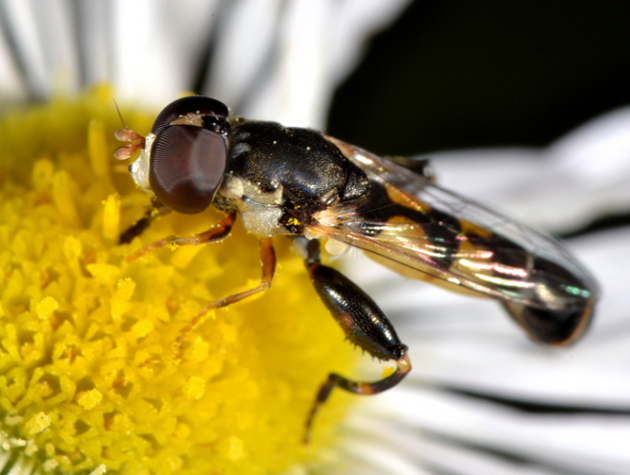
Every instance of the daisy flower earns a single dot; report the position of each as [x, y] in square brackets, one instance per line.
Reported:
[89, 380]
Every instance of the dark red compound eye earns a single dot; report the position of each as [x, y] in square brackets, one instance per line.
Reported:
[205, 106]
[187, 166]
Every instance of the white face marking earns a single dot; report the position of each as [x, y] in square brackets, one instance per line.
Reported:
[140, 168]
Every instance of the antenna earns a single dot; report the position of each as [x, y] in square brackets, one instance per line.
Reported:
[120, 115]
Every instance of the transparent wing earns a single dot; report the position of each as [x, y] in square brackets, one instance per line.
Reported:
[410, 223]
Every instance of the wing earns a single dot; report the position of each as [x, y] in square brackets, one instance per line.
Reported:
[428, 232]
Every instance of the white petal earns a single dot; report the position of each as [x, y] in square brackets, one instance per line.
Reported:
[156, 47]
[566, 443]
[41, 39]
[243, 51]
[11, 84]
[382, 459]
[285, 59]
[293, 91]
[439, 453]
[94, 19]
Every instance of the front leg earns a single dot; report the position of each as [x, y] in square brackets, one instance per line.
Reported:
[216, 233]
[364, 325]
[156, 210]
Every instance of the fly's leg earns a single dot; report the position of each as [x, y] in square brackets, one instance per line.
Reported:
[136, 229]
[364, 325]
[216, 233]
[268, 258]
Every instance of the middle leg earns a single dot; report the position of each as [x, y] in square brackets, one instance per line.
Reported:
[268, 258]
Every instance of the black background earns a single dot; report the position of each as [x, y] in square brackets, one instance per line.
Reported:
[459, 74]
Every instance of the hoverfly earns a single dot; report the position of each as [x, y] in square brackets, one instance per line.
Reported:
[308, 186]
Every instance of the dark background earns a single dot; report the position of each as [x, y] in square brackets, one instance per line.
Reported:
[460, 74]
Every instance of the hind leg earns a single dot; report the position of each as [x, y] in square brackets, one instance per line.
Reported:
[363, 322]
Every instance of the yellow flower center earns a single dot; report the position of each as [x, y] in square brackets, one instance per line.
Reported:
[88, 376]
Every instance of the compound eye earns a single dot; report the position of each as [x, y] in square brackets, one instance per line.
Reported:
[196, 104]
[187, 166]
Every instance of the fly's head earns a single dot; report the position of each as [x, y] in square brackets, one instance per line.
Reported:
[182, 161]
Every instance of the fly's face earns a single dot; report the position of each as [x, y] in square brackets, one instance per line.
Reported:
[183, 160]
